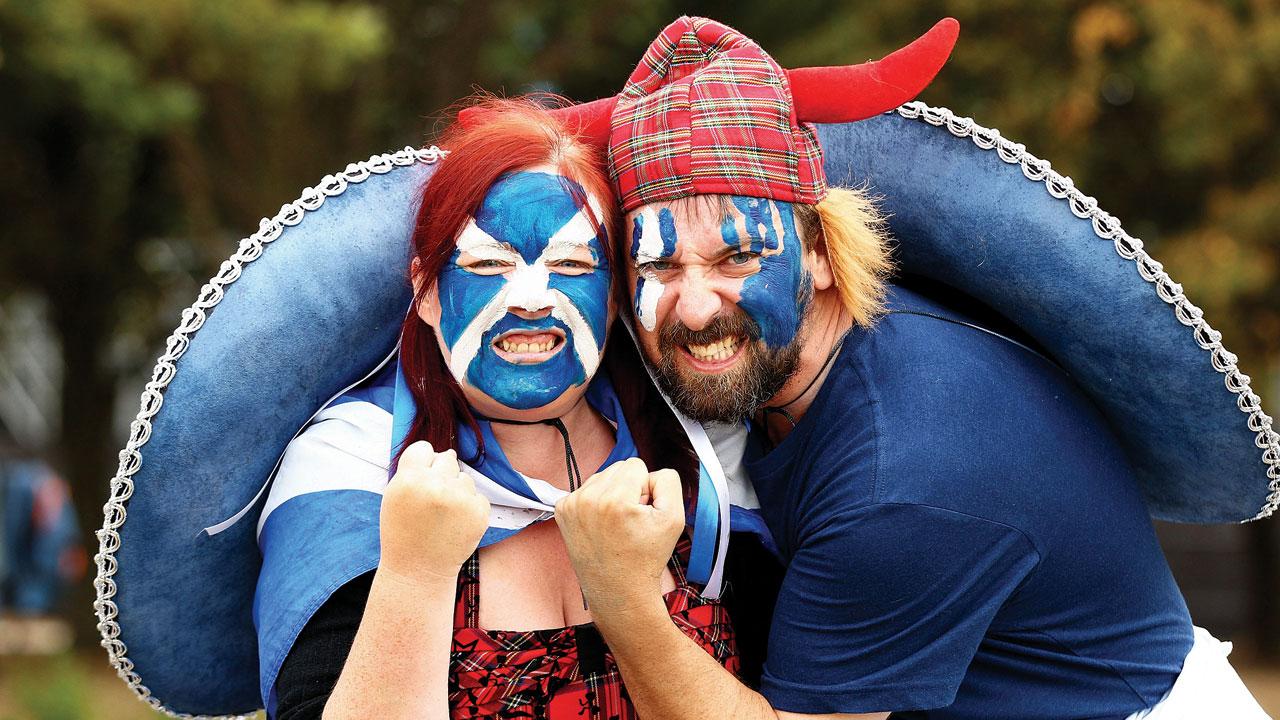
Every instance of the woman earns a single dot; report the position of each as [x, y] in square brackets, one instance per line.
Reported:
[513, 297]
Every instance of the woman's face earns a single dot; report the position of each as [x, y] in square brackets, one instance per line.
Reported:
[523, 306]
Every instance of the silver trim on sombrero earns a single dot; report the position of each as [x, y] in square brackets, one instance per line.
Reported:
[114, 512]
[1107, 227]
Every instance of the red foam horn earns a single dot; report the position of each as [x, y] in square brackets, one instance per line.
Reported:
[855, 92]
[843, 93]
[589, 120]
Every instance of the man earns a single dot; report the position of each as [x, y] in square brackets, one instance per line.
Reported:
[962, 535]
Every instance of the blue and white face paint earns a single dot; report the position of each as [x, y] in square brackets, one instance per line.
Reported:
[524, 299]
[653, 239]
[776, 296]
[720, 300]
[765, 278]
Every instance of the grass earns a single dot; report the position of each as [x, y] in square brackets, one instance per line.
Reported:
[69, 686]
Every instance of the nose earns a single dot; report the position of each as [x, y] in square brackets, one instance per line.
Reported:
[529, 314]
[699, 301]
[528, 291]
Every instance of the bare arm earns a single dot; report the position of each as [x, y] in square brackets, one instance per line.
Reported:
[431, 521]
[631, 519]
[669, 676]
[399, 662]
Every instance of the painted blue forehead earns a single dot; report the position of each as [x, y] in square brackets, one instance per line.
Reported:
[526, 208]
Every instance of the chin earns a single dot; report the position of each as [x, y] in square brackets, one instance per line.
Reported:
[489, 407]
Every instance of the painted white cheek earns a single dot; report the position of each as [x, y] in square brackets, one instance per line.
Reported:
[468, 344]
[647, 305]
[585, 344]
[528, 288]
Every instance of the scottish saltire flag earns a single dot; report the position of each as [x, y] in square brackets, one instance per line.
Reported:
[319, 526]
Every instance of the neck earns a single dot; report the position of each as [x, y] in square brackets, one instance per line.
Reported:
[537, 450]
[824, 327]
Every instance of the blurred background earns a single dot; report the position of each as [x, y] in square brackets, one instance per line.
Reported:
[141, 139]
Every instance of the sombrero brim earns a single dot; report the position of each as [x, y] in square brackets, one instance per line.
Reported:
[977, 212]
[315, 299]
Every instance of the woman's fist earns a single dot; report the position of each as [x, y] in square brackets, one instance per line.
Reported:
[432, 517]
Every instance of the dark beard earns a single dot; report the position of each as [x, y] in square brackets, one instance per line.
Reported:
[729, 396]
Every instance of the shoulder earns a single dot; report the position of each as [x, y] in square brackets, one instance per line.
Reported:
[344, 438]
[355, 426]
[962, 415]
[345, 446]
[922, 348]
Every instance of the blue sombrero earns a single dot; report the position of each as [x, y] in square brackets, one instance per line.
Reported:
[312, 303]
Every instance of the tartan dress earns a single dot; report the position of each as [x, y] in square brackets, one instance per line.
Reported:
[562, 673]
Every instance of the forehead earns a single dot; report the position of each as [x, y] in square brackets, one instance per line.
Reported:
[695, 224]
[527, 208]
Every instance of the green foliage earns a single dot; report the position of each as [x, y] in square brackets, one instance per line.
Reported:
[57, 690]
[142, 129]
[147, 67]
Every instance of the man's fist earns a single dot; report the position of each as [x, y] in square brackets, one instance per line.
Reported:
[620, 528]
[432, 517]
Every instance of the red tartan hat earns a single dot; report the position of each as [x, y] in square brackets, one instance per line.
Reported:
[707, 111]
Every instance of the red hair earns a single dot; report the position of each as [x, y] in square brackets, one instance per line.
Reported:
[512, 134]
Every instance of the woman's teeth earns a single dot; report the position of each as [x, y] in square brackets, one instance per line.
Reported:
[512, 346]
[720, 350]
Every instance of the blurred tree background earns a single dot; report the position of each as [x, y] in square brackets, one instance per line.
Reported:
[142, 138]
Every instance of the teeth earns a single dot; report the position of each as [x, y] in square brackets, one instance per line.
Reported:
[525, 347]
[719, 350]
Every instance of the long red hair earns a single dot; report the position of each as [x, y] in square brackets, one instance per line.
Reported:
[515, 134]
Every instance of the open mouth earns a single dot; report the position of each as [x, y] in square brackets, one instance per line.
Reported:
[524, 346]
[715, 356]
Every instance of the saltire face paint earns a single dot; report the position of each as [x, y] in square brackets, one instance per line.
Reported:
[776, 296]
[529, 248]
[653, 239]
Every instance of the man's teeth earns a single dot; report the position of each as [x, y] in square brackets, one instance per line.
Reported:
[719, 350]
[512, 346]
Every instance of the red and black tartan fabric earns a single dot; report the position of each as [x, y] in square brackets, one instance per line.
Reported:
[562, 673]
[708, 111]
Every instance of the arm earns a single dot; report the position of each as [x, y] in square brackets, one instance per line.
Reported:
[667, 674]
[399, 661]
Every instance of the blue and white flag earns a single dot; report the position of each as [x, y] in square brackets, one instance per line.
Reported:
[319, 527]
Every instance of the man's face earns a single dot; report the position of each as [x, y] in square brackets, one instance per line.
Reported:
[524, 301]
[720, 295]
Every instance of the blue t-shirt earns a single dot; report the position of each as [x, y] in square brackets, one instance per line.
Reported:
[963, 538]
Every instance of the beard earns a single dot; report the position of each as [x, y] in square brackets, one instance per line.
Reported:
[737, 393]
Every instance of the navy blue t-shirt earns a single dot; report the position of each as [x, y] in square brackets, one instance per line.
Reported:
[963, 538]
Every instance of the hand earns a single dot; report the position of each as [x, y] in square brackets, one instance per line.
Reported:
[620, 528]
[432, 517]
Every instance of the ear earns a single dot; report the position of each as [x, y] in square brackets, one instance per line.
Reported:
[429, 304]
[818, 263]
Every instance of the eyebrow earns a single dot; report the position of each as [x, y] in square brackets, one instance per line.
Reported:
[494, 250]
[728, 251]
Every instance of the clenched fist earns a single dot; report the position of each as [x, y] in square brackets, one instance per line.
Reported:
[620, 528]
[432, 517]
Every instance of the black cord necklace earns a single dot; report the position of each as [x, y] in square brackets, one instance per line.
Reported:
[782, 409]
[570, 460]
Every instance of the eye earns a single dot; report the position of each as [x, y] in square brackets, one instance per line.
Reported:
[654, 266]
[741, 258]
[487, 266]
[573, 265]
